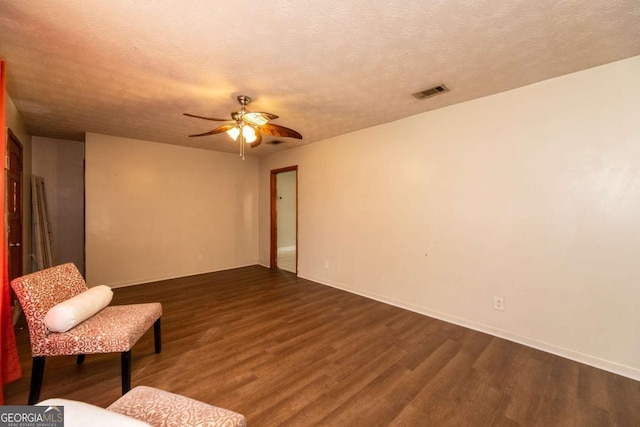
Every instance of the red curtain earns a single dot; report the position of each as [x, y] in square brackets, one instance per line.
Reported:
[10, 369]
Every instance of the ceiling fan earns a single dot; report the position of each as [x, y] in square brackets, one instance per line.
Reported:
[248, 126]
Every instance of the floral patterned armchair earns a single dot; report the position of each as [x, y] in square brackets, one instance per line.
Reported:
[112, 329]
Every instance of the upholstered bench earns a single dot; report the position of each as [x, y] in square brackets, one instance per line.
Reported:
[146, 406]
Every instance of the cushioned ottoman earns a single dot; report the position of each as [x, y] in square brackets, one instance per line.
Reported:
[161, 408]
[145, 406]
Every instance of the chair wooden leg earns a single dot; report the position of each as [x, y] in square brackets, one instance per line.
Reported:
[157, 336]
[125, 362]
[80, 359]
[37, 373]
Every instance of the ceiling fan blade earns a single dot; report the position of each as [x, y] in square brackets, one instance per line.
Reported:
[258, 139]
[276, 130]
[207, 118]
[219, 129]
[258, 119]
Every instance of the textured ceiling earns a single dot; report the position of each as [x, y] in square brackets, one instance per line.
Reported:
[131, 68]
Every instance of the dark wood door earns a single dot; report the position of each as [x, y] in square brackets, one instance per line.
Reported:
[14, 206]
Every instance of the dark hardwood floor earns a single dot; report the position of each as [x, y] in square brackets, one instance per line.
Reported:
[287, 351]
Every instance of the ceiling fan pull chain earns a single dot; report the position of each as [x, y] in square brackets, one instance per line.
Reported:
[242, 145]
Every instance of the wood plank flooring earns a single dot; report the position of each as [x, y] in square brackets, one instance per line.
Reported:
[287, 351]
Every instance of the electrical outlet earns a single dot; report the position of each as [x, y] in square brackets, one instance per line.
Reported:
[326, 265]
[498, 303]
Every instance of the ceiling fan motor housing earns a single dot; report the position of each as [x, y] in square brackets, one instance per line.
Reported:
[244, 100]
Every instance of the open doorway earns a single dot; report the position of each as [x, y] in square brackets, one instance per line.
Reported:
[284, 219]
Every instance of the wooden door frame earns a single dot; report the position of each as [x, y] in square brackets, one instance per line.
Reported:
[274, 215]
[13, 138]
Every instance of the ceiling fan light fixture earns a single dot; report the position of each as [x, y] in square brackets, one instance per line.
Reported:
[234, 132]
[249, 134]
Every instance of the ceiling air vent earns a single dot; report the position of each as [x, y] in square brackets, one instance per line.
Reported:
[433, 91]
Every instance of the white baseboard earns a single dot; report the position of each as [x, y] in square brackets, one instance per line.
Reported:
[614, 367]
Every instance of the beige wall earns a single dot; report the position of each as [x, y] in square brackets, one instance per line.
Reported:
[532, 195]
[61, 164]
[156, 211]
[14, 121]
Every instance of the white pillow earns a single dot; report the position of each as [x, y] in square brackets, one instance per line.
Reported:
[77, 309]
[80, 414]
